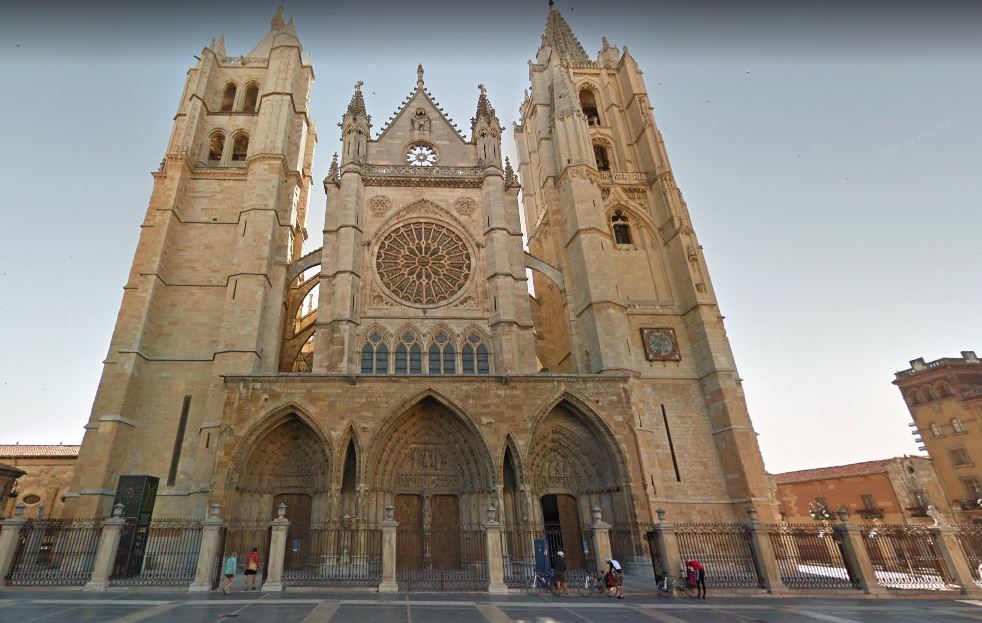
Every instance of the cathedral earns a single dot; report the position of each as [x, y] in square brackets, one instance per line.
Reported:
[408, 362]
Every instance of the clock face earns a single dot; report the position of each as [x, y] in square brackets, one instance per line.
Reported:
[660, 344]
[420, 155]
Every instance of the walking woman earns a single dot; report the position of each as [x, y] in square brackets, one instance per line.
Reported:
[230, 565]
[251, 569]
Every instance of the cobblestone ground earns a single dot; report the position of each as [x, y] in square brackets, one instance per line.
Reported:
[23, 606]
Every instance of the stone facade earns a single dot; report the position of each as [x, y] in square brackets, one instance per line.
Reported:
[945, 402]
[404, 362]
[897, 490]
[47, 478]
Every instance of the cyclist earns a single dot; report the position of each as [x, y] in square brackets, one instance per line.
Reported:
[697, 577]
[615, 577]
[559, 567]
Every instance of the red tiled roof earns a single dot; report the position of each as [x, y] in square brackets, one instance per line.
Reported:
[35, 450]
[835, 471]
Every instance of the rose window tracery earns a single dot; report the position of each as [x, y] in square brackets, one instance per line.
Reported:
[423, 263]
[421, 155]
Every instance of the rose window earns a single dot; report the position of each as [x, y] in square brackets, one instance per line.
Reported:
[420, 155]
[423, 263]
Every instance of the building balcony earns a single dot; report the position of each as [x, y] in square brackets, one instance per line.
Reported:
[969, 504]
[917, 511]
[871, 513]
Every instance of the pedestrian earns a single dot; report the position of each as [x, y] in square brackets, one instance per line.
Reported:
[697, 577]
[251, 569]
[559, 568]
[230, 565]
[615, 572]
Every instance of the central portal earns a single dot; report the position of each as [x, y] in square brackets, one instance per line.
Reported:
[429, 532]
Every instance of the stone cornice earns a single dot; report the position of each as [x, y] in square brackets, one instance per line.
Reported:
[308, 377]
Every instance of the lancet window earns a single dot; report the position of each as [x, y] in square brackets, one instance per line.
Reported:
[622, 228]
[216, 146]
[409, 354]
[228, 97]
[588, 102]
[251, 98]
[375, 355]
[442, 355]
[475, 358]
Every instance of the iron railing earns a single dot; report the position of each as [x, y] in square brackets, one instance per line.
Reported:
[724, 550]
[905, 556]
[55, 552]
[241, 535]
[809, 556]
[970, 539]
[445, 558]
[344, 553]
[628, 542]
[170, 555]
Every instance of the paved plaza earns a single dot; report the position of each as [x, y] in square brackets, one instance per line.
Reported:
[24, 606]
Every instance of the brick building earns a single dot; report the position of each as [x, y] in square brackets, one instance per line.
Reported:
[945, 402]
[897, 490]
[403, 362]
[47, 476]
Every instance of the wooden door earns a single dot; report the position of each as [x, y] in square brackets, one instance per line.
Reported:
[409, 534]
[298, 536]
[569, 525]
[445, 532]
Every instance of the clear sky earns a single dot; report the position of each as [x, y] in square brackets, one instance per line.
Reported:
[831, 157]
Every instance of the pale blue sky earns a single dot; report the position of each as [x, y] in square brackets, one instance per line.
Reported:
[829, 156]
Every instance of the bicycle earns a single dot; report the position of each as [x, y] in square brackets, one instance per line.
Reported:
[668, 585]
[538, 581]
[597, 583]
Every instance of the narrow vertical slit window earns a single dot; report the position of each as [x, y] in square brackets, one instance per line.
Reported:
[182, 425]
[671, 446]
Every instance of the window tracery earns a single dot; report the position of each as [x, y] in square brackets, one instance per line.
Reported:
[409, 354]
[475, 358]
[421, 155]
[423, 263]
[442, 355]
[622, 228]
[375, 354]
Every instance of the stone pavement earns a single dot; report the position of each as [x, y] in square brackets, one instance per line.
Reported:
[23, 606]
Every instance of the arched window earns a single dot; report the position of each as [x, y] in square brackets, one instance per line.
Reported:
[251, 98]
[588, 102]
[928, 394]
[240, 147]
[228, 97]
[375, 355]
[943, 390]
[957, 425]
[216, 147]
[936, 430]
[601, 156]
[622, 228]
[475, 356]
[442, 356]
[409, 355]
[914, 397]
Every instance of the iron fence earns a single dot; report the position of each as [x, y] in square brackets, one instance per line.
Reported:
[906, 557]
[55, 552]
[518, 545]
[445, 558]
[628, 542]
[345, 553]
[170, 555]
[970, 539]
[725, 552]
[241, 535]
[809, 556]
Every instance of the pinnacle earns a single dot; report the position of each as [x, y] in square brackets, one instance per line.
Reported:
[484, 109]
[559, 36]
[357, 104]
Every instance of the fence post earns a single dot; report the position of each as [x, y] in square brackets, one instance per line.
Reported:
[105, 556]
[10, 530]
[763, 549]
[601, 539]
[211, 536]
[855, 556]
[389, 525]
[492, 544]
[668, 546]
[273, 582]
[954, 558]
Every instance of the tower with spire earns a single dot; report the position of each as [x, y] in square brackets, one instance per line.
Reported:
[634, 296]
[204, 297]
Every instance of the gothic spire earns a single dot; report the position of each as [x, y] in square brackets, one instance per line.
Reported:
[559, 36]
[357, 104]
[484, 109]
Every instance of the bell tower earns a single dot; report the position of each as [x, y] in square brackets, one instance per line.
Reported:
[205, 291]
[602, 208]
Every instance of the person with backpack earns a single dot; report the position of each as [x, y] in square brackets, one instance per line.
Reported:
[251, 569]
[615, 577]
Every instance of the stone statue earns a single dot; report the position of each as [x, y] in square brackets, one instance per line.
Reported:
[936, 515]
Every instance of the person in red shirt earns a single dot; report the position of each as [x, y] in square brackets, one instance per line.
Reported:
[252, 568]
[697, 577]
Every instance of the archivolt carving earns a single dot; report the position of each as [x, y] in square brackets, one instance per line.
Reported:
[431, 450]
[567, 455]
[290, 458]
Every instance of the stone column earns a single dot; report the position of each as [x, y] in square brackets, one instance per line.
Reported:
[601, 539]
[10, 539]
[211, 543]
[492, 543]
[954, 559]
[668, 546]
[273, 582]
[760, 540]
[105, 556]
[855, 555]
[389, 525]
